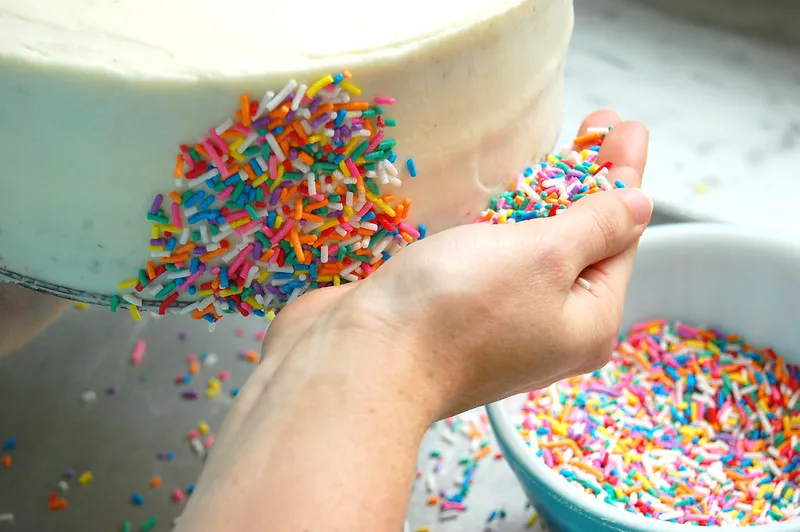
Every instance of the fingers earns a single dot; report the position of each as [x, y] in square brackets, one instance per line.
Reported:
[626, 145]
[602, 118]
[607, 224]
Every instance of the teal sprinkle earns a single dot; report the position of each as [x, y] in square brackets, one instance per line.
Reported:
[158, 218]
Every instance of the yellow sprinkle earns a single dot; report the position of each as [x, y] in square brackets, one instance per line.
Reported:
[270, 315]
[260, 180]
[327, 225]
[234, 146]
[278, 222]
[325, 279]
[130, 283]
[351, 88]
[80, 305]
[238, 156]
[85, 478]
[552, 159]
[594, 168]
[344, 169]
[348, 210]
[336, 280]
[535, 517]
[316, 138]
[253, 303]
[701, 188]
[154, 232]
[228, 292]
[351, 145]
[380, 203]
[135, 312]
[240, 222]
[212, 392]
[319, 85]
[263, 276]
[277, 181]
[204, 293]
[155, 248]
[203, 428]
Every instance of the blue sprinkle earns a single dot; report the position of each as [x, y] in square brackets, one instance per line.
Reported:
[423, 232]
[223, 277]
[393, 158]
[206, 203]
[338, 78]
[137, 499]
[619, 184]
[232, 180]
[367, 217]
[190, 489]
[197, 196]
[192, 290]
[271, 218]
[194, 264]
[341, 115]
[171, 243]
[277, 131]
[235, 392]
[170, 456]
[256, 168]
[282, 275]
[209, 317]
[386, 256]
[198, 217]
[412, 168]
[10, 444]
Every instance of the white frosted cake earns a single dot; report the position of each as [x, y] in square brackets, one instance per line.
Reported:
[108, 104]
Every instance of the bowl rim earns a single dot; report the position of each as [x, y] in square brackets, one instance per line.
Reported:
[506, 432]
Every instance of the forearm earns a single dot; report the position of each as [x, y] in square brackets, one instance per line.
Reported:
[323, 438]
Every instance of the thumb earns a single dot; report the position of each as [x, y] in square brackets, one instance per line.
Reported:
[602, 225]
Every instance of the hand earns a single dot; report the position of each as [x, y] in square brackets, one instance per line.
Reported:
[487, 311]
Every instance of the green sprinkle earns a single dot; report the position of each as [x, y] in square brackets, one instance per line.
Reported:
[435, 454]
[375, 156]
[293, 176]
[265, 150]
[372, 186]
[237, 191]
[167, 290]
[148, 525]
[158, 218]
[252, 151]
[390, 122]
[126, 526]
[251, 211]
[114, 303]
[143, 278]
[360, 149]
[386, 144]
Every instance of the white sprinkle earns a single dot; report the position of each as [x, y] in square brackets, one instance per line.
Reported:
[7, 518]
[251, 274]
[251, 138]
[197, 446]
[89, 396]
[278, 99]
[210, 359]
[132, 299]
[323, 253]
[298, 96]
[178, 275]
[312, 184]
[276, 148]
[262, 106]
[63, 486]
[159, 254]
[584, 283]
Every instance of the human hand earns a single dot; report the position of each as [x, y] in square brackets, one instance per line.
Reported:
[24, 314]
[487, 311]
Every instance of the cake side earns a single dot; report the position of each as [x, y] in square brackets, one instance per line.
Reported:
[90, 149]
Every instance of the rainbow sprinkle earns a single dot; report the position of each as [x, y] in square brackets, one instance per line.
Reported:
[282, 199]
[683, 425]
[548, 188]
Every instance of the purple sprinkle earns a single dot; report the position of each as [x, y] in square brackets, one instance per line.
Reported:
[112, 390]
[274, 290]
[319, 121]
[258, 289]
[156, 204]
[289, 117]
[199, 251]
[183, 335]
[314, 105]
[262, 122]
[158, 241]
[273, 200]
[293, 154]
[190, 394]
[256, 250]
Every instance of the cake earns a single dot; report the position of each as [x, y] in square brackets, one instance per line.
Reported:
[97, 97]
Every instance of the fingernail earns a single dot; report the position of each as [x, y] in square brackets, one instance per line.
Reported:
[640, 203]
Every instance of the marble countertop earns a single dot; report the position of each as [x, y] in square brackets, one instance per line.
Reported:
[723, 109]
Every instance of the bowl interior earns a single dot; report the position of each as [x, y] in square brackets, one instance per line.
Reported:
[719, 276]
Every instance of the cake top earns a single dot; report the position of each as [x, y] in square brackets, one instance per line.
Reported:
[192, 38]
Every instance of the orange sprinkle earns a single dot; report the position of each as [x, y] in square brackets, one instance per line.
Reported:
[58, 504]
[347, 74]
[355, 106]
[151, 270]
[369, 127]
[155, 482]
[230, 135]
[596, 473]
[407, 237]
[365, 232]
[308, 239]
[483, 453]
[311, 217]
[176, 258]
[249, 171]
[211, 254]
[280, 112]
[323, 109]
[298, 208]
[7, 461]
[189, 246]
[175, 197]
[179, 166]
[295, 240]
[245, 110]
[252, 356]
[306, 158]
[266, 255]
[316, 205]
[433, 501]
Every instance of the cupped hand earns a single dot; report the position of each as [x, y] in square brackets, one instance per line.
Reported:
[485, 311]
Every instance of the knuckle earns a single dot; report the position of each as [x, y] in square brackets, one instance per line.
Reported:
[605, 224]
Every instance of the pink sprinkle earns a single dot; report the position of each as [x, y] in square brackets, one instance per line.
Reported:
[365, 209]
[236, 215]
[449, 505]
[413, 233]
[239, 331]
[193, 434]
[224, 375]
[209, 441]
[222, 196]
[273, 166]
[138, 352]
[282, 232]
[245, 228]
[177, 495]
[191, 357]
[176, 216]
[375, 141]
[217, 140]
[260, 335]
[383, 100]
[353, 168]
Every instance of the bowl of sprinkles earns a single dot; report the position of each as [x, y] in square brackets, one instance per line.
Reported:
[695, 421]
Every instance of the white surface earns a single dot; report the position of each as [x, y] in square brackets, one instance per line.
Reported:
[86, 147]
[723, 111]
[703, 276]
